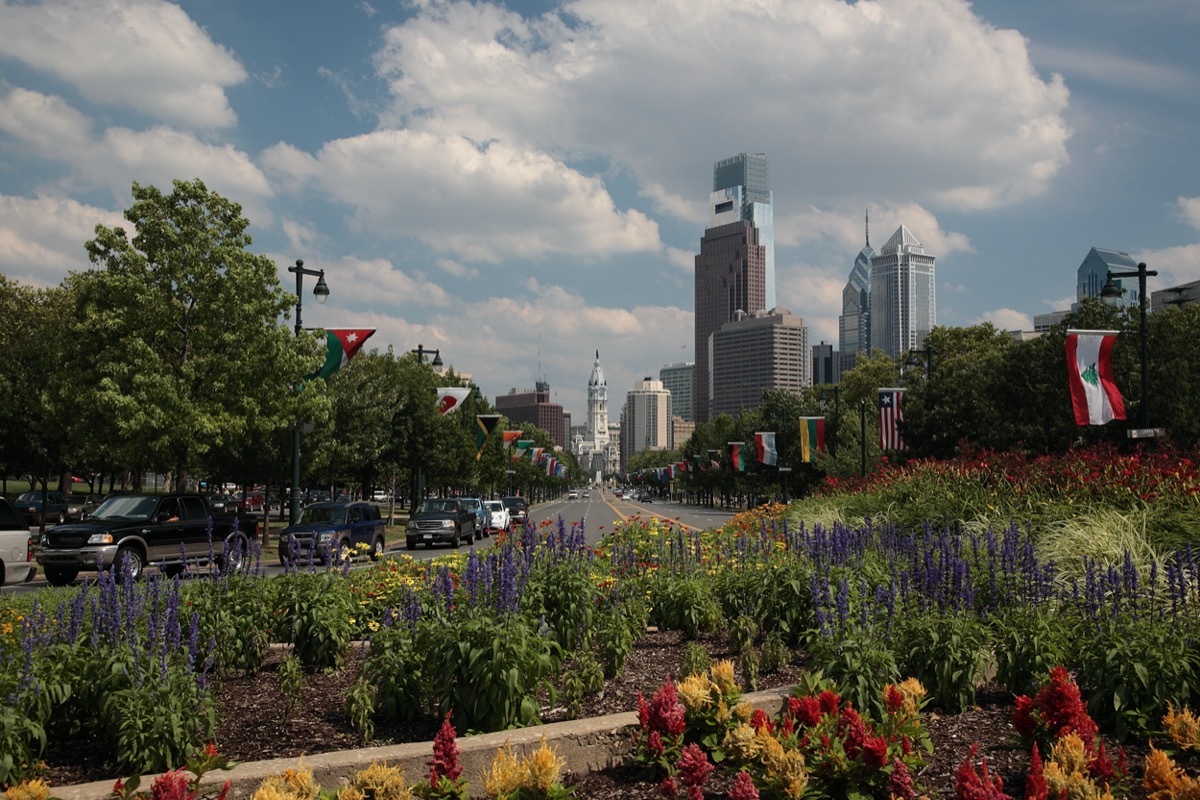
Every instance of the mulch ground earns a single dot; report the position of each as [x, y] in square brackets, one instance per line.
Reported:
[256, 723]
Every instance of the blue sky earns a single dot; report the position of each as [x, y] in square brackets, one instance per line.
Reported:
[522, 184]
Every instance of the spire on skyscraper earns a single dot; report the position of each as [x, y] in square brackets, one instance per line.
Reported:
[867, 225]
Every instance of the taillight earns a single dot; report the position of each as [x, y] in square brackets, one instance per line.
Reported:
[29, 549]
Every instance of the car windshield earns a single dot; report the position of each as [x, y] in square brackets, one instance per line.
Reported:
[495, 505]
[319, 514]
[29, 497]
[438, 506]
[514, 502]
[128, 507]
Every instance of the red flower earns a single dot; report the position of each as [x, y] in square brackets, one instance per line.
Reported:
[1022, 718]
[445, 754]
[893, 699]
[1035, 781]
[744, 789]
[875, 751]
[970, 784]
[759, 720]
[654, 743]
[829, 701]
[668, 787]
[694, 766]
[171, 785]
[900, 783]
[806, 710]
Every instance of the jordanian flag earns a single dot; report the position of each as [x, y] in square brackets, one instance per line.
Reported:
[340, 346]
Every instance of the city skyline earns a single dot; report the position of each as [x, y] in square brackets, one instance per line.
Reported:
[517, 185]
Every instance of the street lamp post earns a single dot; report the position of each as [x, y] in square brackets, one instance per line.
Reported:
[510, 472]
[321, 292]
[1110, 294]
[420, 353]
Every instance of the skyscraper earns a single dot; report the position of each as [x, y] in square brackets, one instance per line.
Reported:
[751, 175]
[645, 420]
[732, 268]
[854, 323]
[766, 350]
[903, 295]
[1093, 272]
[677, 378]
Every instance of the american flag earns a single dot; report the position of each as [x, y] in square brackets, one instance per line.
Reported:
[890, 413]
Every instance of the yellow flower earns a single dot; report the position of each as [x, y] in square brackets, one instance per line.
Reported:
[1162, 780]
[722, 676]
[271, 790]
[506, 774]
[1182, 727]
[1066, 773]
[694, 692]
[1070, 754]
[742, 742]
[544, 767]
[292, 784]
[381, 782]
[743, 711]
[36, 789]
[349, 793]
[913, 693]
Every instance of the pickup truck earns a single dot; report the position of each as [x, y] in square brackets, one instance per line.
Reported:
[170, 531]
[16, 551]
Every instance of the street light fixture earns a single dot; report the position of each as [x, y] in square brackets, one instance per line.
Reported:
[321, 292]
[1110, 294]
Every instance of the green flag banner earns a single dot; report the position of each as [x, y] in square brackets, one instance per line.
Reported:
[484, 425]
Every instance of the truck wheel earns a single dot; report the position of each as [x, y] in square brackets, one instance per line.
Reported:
[472, 536]
[457, 538]
[410, 544]
[233, 559]
[136, 564]
[60, 576]
[377, 548]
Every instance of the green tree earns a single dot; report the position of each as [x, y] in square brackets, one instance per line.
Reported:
[177, 346]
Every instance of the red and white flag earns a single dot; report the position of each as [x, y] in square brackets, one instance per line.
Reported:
[1095, 398]
[451, 397]
[890, 414]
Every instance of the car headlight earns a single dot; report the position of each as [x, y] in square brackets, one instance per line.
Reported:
[100, 538]
[324, 537]
[447, 523]
[411, 526]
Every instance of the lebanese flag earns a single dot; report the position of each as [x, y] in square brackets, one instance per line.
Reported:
[1095, 398]
[451, 397]
[340, 346]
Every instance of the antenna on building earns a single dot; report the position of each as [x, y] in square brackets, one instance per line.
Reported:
[867, 225]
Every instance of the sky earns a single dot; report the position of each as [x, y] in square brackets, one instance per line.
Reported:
[521, 184]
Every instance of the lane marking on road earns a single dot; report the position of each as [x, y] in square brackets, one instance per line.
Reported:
[652, 514]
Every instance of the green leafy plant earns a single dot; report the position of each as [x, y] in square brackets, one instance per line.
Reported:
[945, 651]
[684, 603]
[750, 662]
[696, 660]
[360, 707]
[318, 610]
[743, 633]
[583, 677]
[394, 666]
[774, 653]
[291, 682]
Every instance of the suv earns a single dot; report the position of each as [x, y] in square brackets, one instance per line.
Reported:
[573, 494]
[326, 531]
[476, 506]
[497, 515]
[518, 509]
[440, 520]
[29, 505]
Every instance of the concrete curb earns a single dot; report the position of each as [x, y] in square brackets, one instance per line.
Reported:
[584, 744]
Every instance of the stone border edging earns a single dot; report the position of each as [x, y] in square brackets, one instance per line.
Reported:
[585, 745]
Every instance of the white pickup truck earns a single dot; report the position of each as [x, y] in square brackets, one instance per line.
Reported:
[16, 547]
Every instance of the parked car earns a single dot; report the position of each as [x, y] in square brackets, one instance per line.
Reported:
[250, 502]
[223, 504]
[31, 508]
[324, 530]
[169, 530]
[476, 506]
[16, 547]
[80, 505]
[497, 516]
[440, 520]
[518, 509]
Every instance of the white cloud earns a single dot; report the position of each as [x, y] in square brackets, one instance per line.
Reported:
[44, 124]
[1175, 265]
[479, 202]
[814, 293]
[141, 54]
[42, 238]
[846, 227]
[902, 100]
[1115, 69]
[1189, 209]
[1006, 319]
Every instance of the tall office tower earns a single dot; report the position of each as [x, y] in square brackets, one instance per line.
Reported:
[534, 406]
[645, 420]
[677, 378]
[1093, 272]
[768, 350]
[744, 182]
[826, 365]
[854, 323]
[903, 296]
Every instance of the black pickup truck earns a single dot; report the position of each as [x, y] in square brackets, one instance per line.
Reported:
[164, 530]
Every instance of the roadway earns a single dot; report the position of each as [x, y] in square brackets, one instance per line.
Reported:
[599, 513]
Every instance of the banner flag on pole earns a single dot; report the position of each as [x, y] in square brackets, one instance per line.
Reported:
[890, 414]
[340, 346]
[511, 437]
[522, 446]
[484, 425]
[714, 459]
[764, 445]
[550, 462]
[737, 456]
[681, 466]
[535, 455]
[451, 397]
[1095, 399]
[812, 438]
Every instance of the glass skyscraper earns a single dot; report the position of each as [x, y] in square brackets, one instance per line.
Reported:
[751, 175]
[903, 296]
